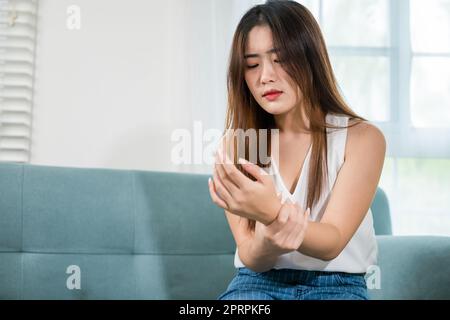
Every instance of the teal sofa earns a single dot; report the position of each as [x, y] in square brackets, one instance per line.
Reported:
[72, 233]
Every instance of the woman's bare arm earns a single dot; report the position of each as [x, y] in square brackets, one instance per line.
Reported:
[252, 254]
[350, 200]
[351, 195]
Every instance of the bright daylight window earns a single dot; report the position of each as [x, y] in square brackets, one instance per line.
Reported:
[392, 62]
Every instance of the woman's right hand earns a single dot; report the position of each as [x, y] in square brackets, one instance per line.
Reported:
[286, 233]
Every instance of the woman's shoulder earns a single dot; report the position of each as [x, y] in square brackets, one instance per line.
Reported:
[362, 137]
[359, 129]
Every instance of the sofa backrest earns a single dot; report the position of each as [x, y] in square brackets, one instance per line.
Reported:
[411, 267]
[133, 234]
[381, 213]
[127, 234]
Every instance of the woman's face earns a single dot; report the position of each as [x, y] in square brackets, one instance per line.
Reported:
[263, 73]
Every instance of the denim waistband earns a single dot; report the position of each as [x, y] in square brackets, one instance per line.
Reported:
[310, 277]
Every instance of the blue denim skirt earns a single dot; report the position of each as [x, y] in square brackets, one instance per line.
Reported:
[290, 284]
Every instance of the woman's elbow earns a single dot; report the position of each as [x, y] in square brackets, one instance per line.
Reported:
[331, 255]
[328, 257]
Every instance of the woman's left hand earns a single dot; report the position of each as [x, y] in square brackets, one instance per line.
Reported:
[236, 193]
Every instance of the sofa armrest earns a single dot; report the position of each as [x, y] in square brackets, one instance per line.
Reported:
[412, 267]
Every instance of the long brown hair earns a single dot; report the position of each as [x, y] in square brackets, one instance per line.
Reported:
[304, 57]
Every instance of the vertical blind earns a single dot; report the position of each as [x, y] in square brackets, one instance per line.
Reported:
[17, 55]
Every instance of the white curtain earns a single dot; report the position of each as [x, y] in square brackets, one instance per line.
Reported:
[202, 31]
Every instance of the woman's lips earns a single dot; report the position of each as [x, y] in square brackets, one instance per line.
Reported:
[273, 96]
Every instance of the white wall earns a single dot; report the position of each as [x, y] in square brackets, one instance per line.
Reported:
[110, 94]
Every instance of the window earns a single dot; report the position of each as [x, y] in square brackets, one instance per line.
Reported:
[17, 46]
[392, 63]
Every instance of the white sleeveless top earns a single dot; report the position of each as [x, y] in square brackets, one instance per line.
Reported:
[361, 251]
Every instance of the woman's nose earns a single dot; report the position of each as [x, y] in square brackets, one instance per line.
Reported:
[267, 73]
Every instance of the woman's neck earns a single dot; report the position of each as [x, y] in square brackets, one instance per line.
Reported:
[291, 122]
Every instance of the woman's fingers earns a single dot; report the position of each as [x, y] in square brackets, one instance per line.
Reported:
[253, 169]
[215, 198]
[295, 224]
[229, 185]
[283, 216]
[230, 171]
[220, 189]
[279, 225]
[292, 222]
[300, 230]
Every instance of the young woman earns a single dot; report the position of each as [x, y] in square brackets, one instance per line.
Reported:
[330, 162]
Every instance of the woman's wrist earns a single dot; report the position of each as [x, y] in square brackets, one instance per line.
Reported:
[263, 253]
[271, 212]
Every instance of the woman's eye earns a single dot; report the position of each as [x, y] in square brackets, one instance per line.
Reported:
[253, 66]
